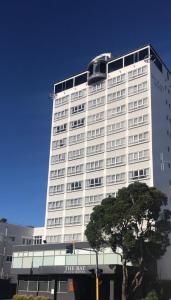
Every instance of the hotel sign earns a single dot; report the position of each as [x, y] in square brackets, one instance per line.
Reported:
[75, 269]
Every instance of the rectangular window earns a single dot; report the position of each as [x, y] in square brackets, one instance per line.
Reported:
[96, 117]
[98, 148]
[56, 189]
[55, 222]
[60, 128]
[137, 72]
[114, 112]
[53, 238]
[120, 94]
[53, 205]
[57, 173]
[116, 160]
[116, 178]
[78, 95]
[74, 186]
[59, 143]
[94, 182]
[94, 165]
[115, 65]
[86, 219]
[60, 114]
[72, 237]
[138, 174]
[138, 121]
[76, 154]
[116, 144]
[77, 123]
[75, 202]
[73, 220]
[57, 158]
[138, 138]
[61, 100]
[137, 104]
[77, 108]
[119, 126]
[96, 102]
[93, 200]
[80, 79]
[137, 88]
[73, 139]
[138, 156]
[116, 80]
[75, 169]
[91, 134]
[97, 87]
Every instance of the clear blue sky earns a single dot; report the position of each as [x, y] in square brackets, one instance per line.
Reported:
[43, 41]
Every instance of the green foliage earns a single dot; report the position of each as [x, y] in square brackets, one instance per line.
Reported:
[151, 296]
[30, 297]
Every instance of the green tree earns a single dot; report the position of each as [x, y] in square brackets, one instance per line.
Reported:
[136, 223]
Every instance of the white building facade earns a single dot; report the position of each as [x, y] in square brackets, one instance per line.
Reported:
[111, 126]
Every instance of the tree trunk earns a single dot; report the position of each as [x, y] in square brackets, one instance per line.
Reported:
[124, 281]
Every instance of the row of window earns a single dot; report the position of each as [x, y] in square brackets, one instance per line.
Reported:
[67, 238]
[76, 202]
[101, 85]
[99, 117]
[69, 220]
[133, 105]
[99, 148]
[99, 181]
[99, 164]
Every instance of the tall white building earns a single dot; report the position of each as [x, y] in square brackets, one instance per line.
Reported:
[111, 126]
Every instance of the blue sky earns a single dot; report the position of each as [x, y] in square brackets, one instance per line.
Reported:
[43, 41]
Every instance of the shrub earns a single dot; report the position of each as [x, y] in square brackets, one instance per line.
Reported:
[151, 296]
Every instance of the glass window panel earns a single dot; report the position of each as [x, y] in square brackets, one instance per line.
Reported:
[27, 262]
[59, 260]
[84, 259]
[71, 259]
[17, 262]
[37, 262]
[48, 261]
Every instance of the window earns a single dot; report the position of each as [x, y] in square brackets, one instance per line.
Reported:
[116, 144]
[119, 126]
[137, 72]
[74, 186]
[113, 112]
[94, 182]
[137, 121]
[86, 219]
[137, 88]
[72, 237]
[138, 138]
[94, 199]
[116, 178]
[75, 169]
[141, 103]
[59, 143]
[96, 117]
[27, 241]
[57, 173]
[94, 88]
[138, 156]
[55, 222]
[76, 138]
[116, 80]
[55, 189]
[96, 102]
[94, 165]
[37, 240]
[60, 114]
[138, 174]
[116, 160]
[59, 129]
[53, 238]
[57, 158]
[120, 94]
[73, 220]
[53, 205]
[9, 258]
[78, 95]
[11, 238]
[78, 108]
[91, 134]
[76, 154]
[115, 65]
[80, 79]
[61, 101]
[98, 148]
[75, 202]
[77, 123]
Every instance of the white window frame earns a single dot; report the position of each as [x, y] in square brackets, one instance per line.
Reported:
[115, 178]
[136, 175]
[95, 165]
[74, 186]
[94, 182]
